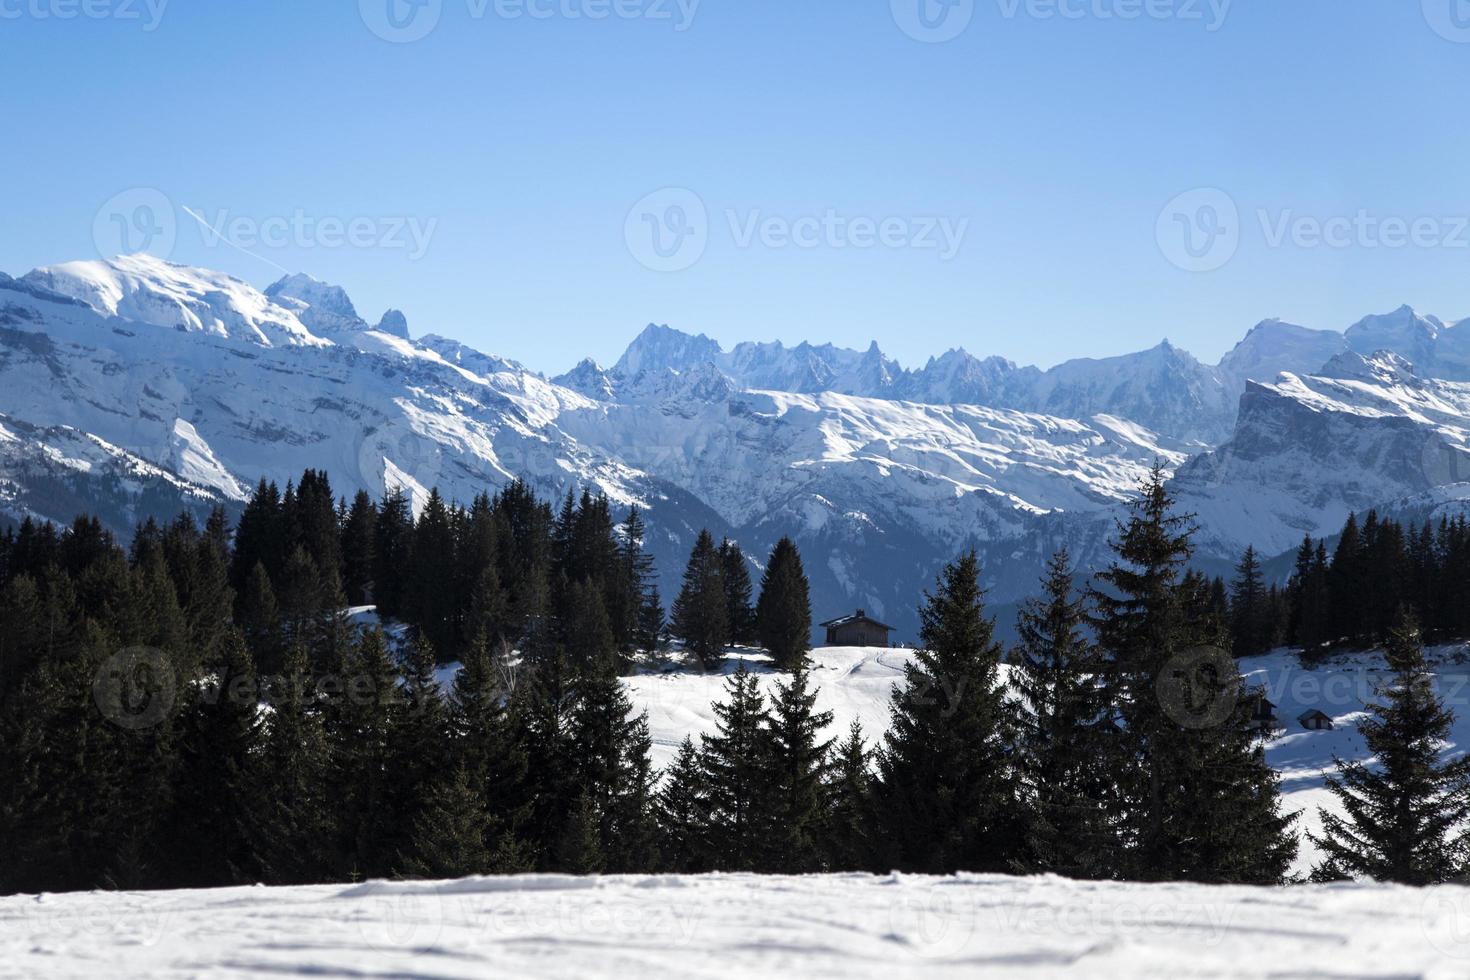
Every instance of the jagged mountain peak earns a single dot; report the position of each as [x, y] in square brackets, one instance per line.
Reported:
[315, 293]
[660, 346]
[588, 378]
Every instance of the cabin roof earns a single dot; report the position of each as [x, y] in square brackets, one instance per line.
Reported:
[861, 616]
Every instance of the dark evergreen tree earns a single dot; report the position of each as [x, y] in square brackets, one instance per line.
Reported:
[1064, 731]
[701, 613]
[735, 576]
[784, 610]
[295, 830]
[215, 799]
[450, 833]
[1405, 816]
[681, 809]
[1349, 580]
[578, 848]
[359, 543]
[735, 776]
[543, 717]
[420, 743]
[796, 757]
[1249, 612]
[650, 635]
[260, 537]
[1196, 800]
[849, 817]
[485, 747]
[640, 587]
[588, 633]
[610, 749]
[946, 794]
[429, 596]
[363, 717]
[392, 550]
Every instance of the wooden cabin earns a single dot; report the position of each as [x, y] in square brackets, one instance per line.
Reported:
[1263, 715]
[857, 630]
[1315, 721]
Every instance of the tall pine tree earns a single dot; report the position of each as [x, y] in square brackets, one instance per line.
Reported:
[946, 793]
[1405, 816]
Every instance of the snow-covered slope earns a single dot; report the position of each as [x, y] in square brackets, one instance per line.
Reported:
[55, 473]
[148, 290]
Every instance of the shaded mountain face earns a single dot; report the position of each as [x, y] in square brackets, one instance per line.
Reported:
[1363, 432]
[135, 387]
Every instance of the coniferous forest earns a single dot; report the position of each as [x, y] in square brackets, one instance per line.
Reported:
[196, 706]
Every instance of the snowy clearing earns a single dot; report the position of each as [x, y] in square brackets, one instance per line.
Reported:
[743, 926]
[854, 684]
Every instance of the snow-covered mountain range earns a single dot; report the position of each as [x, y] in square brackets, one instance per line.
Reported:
[136, 387]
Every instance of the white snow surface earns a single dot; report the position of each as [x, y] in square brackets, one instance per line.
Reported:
[735, 926]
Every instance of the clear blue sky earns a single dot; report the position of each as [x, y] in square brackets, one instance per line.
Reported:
[526, 142]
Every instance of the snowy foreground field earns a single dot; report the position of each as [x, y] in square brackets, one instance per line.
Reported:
[743, 926]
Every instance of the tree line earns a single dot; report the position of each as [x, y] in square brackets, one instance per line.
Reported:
[1352, 597]
[199, 709]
